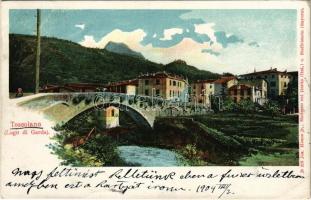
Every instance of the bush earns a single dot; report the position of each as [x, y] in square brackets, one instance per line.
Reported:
[103, 148]
[230, 106]
[271, 108]
[191, 156]
[76, 157]
[246, 106]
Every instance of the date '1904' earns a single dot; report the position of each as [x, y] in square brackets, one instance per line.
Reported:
[223, 188]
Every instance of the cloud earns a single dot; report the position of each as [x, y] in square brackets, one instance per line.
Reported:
[132, 39]
[210, 51]
[253, 44]
[206, 29]
[187, 49]
[225, 39]
[168, 33]
[81, 26]
[236, 59]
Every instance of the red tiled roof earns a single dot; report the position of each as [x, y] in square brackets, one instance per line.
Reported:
[225, 79]
[127, 82]
[55, 87]
[83, 85]
[270, 71]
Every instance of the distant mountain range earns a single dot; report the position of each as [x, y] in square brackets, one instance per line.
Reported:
[64, 61]
[123, 49]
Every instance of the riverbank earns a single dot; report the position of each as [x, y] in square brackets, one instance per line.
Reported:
[215, 139]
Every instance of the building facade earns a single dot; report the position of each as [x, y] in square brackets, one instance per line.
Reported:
[163, 85]
[260, 86]
[224, 83]
[128, 87]
[277, 80]
[202, 90]
[242, 92]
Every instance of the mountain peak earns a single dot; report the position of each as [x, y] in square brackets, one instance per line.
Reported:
[179, 61]
[123, 49]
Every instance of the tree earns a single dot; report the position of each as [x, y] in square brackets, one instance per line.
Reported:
[292, 95]
[246, 106]
[229, 105]
[271, 108]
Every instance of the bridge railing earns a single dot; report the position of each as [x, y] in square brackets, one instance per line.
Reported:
[149, 103]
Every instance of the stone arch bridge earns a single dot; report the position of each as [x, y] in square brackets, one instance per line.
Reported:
[62, 107]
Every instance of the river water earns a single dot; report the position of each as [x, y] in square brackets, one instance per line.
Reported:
[149, 156]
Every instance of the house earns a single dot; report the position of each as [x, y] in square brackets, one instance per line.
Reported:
[277, 80]
[57, 89]
[163, 85]
[128, 87]
[261, 88]
[256, 91]
[202, 90]
[85, 87]
[224, 83]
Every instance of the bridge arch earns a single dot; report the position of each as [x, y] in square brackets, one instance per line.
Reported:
[172, 110]
[138, 117]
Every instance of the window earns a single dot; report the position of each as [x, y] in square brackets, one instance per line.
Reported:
[235, 92]
[266, 77]
[193, 86]
[170, 93]
[170, 82]
[272, 84]
[211, 86]
[249, 91]
[146, 92]
[174, 83]
[272, 76]
[281, 76]
[157, 81]
[285, 84]
[112, 113]
[146, 82]
[157, 92]
[173, 93]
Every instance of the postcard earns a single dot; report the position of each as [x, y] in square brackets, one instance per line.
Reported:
[154, 100]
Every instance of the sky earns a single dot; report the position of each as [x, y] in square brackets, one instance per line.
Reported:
[228, 40]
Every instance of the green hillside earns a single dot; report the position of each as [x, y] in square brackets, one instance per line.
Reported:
[66, 62]
[182, 68]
